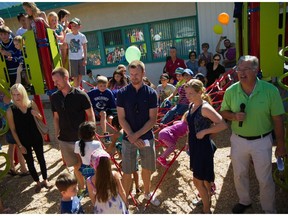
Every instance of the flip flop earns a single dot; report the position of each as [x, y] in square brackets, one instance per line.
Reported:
[24, 173]
[12, 172]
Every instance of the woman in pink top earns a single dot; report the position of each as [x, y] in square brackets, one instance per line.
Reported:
[169, 136]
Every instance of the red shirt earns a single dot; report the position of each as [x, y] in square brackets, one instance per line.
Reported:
[171, 67]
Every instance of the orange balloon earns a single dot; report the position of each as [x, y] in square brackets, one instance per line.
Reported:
[223, 18]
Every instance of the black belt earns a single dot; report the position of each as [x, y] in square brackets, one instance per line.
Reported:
[254, 137]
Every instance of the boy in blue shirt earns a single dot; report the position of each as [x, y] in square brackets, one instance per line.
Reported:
[103, 103]
[7, 49]
[67, 185]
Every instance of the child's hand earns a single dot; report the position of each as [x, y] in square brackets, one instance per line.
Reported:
[9, 58]
[20, 68]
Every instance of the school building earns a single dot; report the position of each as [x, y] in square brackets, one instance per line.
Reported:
[111, 28]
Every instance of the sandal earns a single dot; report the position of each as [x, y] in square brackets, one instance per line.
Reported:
[37, 188]
[46, 185]
[24, 173]
[12, 172]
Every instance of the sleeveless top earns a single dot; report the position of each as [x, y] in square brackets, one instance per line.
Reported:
[115, 205]
[200, 122]
[25, 126]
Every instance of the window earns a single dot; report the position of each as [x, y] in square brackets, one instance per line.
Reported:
[179, 33]
[135, 36]
[114, 49]
[153, 40]
[93, 49]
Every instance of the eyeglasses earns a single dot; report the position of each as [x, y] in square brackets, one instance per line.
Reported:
[216, 59]
[243, 69]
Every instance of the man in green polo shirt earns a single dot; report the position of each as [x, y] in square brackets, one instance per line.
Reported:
[255, 108]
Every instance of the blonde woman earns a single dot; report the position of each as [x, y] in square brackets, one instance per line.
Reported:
[25, 132]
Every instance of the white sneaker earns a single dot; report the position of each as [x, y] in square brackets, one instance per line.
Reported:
[154, 201]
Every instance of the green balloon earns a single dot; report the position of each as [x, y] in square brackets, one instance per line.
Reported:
[218, 29]
[132, 53]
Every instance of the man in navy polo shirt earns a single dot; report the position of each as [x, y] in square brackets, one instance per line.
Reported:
[137, 113]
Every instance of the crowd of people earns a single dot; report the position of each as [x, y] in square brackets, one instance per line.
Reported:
[130, 103]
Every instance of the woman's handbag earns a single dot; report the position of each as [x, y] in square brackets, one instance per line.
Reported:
[43, 128]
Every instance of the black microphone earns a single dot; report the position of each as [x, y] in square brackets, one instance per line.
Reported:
[242, 109]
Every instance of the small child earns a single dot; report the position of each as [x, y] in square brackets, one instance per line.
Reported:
[105, 188]
[169, 136]
[21, 17]
[7, 48]
[55, 26]
[202, 69]
[76, 43]
[67, 185]
[117, 143]
[103, 102]
[86, 145]
[22, 76]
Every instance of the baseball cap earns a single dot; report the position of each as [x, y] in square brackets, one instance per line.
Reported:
[188, 71]
[199, 76]
[179, 70]
[76, 21]
[164, 76]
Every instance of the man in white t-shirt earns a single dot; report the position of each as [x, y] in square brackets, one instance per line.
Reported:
[76, 43]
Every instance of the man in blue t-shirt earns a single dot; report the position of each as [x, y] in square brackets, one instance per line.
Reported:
[103, 103]
[137, 113]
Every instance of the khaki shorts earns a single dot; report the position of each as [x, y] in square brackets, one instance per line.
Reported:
[129, 157]
[67, 150]
[77, 68]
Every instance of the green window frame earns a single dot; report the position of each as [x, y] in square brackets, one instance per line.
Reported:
[153, 40]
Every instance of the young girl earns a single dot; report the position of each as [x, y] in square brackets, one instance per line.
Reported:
[105, 188]
[169, 136]
[117, 143]
[117, 82]
[55, 26]
[203, 120]
[85, 146]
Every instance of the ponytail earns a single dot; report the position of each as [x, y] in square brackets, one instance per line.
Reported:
[206, 97]
[82, 147]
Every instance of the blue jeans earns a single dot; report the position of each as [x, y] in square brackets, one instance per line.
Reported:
[179, 109]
